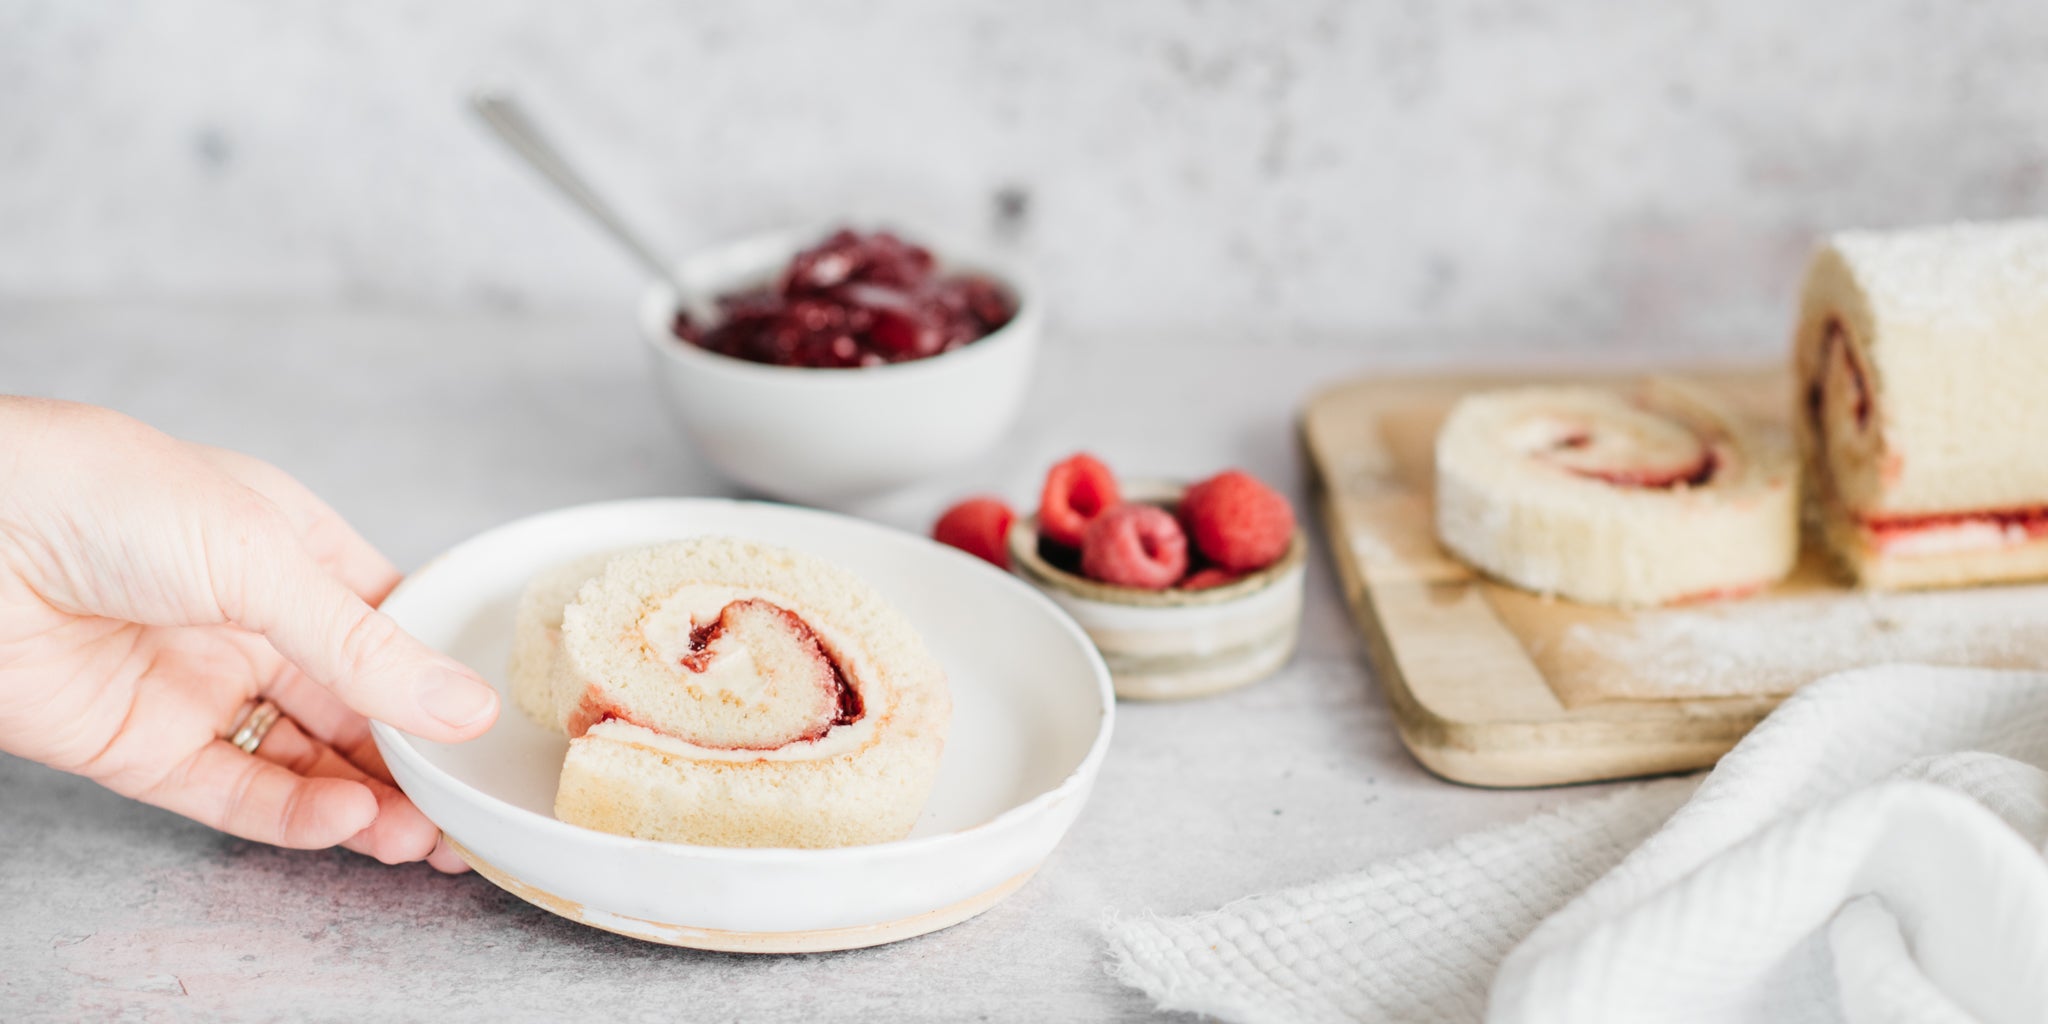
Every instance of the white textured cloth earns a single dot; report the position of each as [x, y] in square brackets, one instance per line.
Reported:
[1871, 853]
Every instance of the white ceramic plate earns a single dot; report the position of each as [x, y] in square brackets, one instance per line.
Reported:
[1031, 720]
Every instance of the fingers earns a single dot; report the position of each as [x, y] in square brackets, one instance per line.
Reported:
[399, 834]
[340, 642]
[326, 536]
[445, 860]
[318, 718]
[255, 799]
[323, 716]
[298, 793]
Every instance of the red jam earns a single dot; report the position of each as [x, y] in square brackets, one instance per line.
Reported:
[1835, 338]
[1728, 593]
[702, 637]
[854, 300]
[1697, 474]
[2032, 521]
[594, 707]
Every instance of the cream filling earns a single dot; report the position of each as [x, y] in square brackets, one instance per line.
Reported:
[667, 630]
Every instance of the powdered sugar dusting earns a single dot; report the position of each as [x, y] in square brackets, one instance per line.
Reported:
[1953, 277]
[1774, 645]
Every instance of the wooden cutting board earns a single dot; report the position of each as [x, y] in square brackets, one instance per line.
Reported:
[1498, 687]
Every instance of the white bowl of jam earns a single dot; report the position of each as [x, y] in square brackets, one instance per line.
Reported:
[841, 368]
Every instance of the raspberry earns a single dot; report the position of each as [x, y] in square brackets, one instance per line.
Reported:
[1135, 546]
[1237, 522]
[1076, 491]
[978, 526]
[1203, 579]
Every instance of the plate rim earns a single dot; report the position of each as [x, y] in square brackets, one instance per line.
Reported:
[397, 744]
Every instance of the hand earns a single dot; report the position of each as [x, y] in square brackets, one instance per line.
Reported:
[149, 587]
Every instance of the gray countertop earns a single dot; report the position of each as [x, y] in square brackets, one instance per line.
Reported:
[424, 428]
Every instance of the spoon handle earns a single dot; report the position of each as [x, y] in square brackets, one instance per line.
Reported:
[510, 122]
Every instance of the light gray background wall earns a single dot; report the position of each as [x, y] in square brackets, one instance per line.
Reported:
[1605, 174]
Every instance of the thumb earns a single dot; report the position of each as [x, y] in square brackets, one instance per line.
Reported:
[340, 642]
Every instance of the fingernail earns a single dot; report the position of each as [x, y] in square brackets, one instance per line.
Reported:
[457, 701]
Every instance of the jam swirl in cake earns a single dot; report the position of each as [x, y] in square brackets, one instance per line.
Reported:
[1623, 446]
[757, 658]
[1652, 497]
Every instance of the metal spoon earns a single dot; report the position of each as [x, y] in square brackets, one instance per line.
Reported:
[510, 122]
